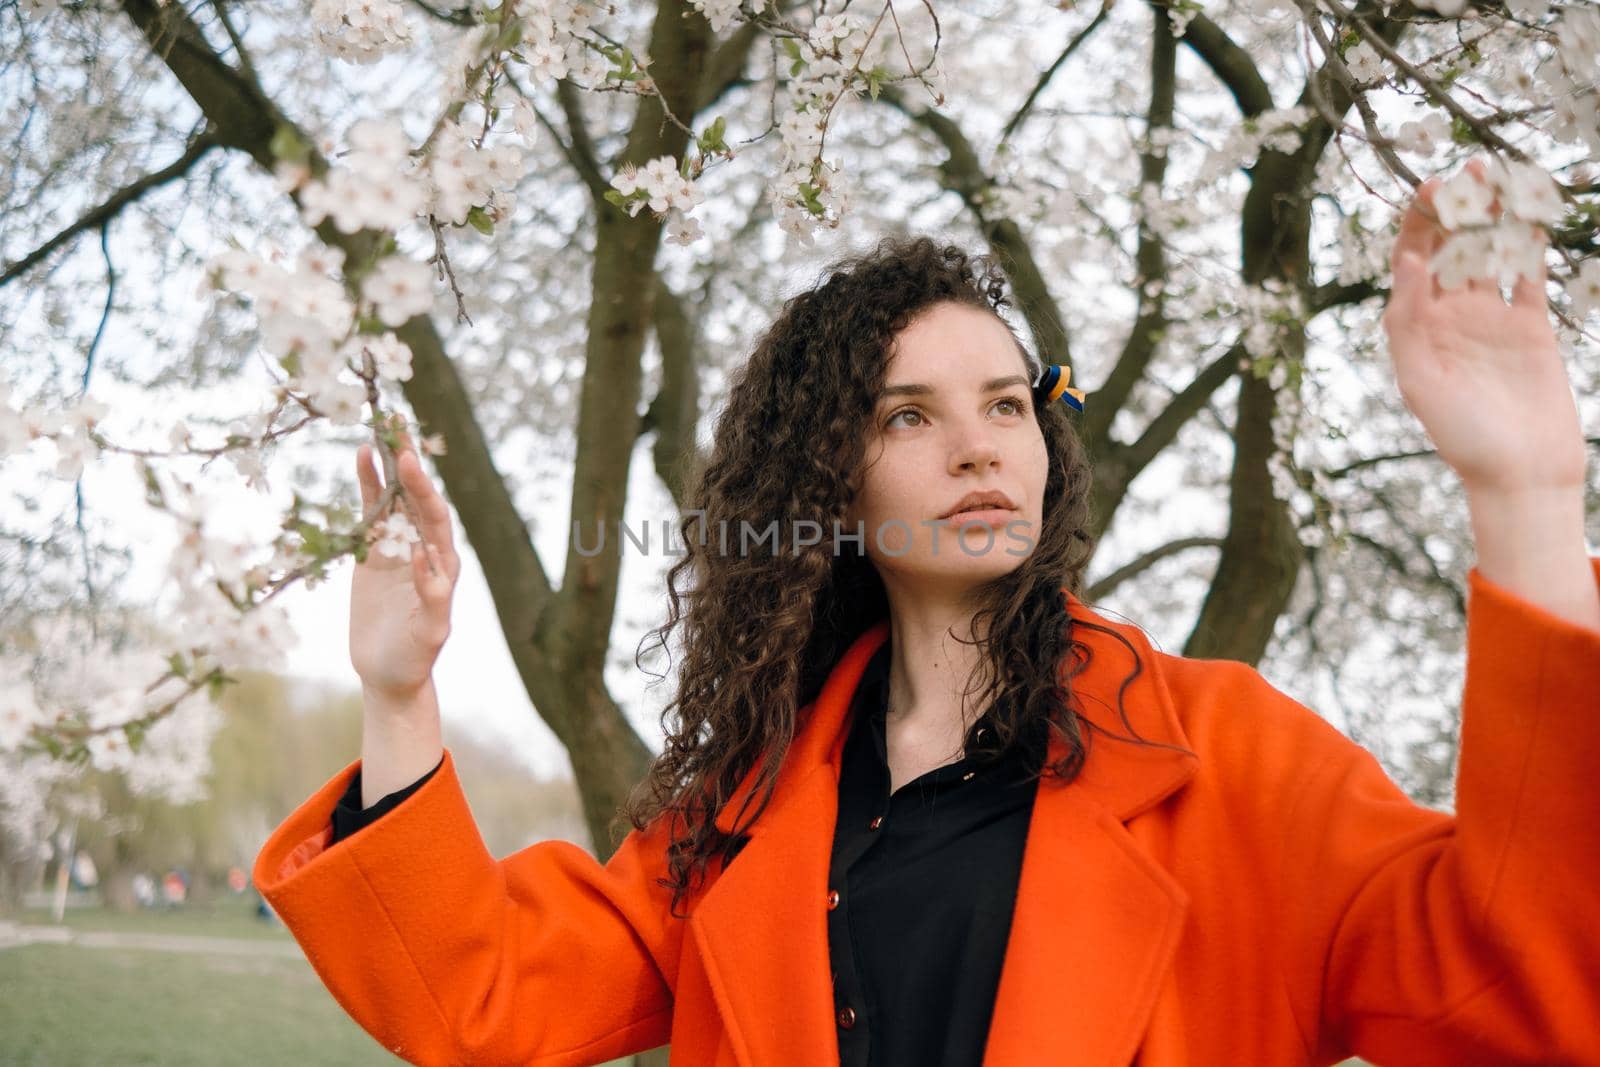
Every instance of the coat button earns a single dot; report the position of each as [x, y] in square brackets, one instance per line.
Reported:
[847, 1017]
[968, 776]
[833, 899]
[877, 821]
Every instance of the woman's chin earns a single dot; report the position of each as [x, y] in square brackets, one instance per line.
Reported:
[960, 566]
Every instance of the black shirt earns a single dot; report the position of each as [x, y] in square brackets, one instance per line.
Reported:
[349, 816]
[927, 879]
[926, 882]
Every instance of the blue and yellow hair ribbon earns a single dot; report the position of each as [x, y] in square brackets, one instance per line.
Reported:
[1052, 386]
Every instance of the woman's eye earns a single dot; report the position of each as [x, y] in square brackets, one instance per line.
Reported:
[902, 411]
[1018, 407]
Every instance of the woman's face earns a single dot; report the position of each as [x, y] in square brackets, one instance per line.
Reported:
[955, 418]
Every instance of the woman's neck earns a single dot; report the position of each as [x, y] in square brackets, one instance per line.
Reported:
[929, 668]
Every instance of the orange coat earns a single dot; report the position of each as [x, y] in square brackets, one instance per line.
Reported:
[1274, 899]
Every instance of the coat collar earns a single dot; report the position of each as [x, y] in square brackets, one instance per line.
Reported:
[1096, 921]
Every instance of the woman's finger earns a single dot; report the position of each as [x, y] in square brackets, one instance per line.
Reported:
[1420, 231]
[1412, 286]
[367, 476]
[1529, 291]
[433, 513]
[433, 582]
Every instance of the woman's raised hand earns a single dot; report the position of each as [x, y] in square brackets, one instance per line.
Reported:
[400, 609]
[1486, 378]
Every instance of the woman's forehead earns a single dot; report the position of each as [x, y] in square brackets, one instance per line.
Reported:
[955, 337]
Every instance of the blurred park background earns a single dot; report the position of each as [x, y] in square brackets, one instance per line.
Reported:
[150, 947]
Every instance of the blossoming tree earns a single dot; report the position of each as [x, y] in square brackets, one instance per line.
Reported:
[546, 227]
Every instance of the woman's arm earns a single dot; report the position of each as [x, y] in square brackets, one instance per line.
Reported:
[1419, 938]
[400, 740]
[1531, 545]
[448, 956]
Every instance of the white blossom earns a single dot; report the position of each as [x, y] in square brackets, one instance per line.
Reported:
[1584, 289]
[1463, 200]
[1526, 191]
[360, 31]
[400, 287]
[392, 357]
[720, 13]
[683, 229]
[395, 537]
[1423, 136]
[1461, 257]
[19, 712]
[1364, 62]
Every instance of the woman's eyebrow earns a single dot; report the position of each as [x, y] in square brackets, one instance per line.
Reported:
[918, 389]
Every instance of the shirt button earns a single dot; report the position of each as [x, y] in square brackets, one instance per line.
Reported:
[877, 821]
[847, 1017]
[833, 899]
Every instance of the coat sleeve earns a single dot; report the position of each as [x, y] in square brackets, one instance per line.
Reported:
[1429, 938]
[449, 956]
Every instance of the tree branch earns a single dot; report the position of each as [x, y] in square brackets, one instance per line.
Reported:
[247, 67]
[1117, 465]
[962, 174]
[460, 16]
[582, 151]
[1104, 587]
[1050, 72]
[1333, 294]
[198, 146]
[1228, 61]
[1368, 462]
[674, 414]
[1150, 257]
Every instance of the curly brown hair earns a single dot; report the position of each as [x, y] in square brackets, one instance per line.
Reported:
[789, 446]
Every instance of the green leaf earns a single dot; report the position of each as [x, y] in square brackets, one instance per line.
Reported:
[152, 487]
[287, 145]
[480, 221]
[711, 140]
[875, 78]
[808, 194]
[614, 196]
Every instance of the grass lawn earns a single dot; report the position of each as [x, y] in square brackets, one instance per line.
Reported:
[64, 1005]
[61, 1005]
[69, 1005]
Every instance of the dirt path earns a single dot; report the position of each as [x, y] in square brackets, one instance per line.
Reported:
[14, 934]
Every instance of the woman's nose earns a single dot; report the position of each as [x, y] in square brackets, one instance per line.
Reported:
[974, 447]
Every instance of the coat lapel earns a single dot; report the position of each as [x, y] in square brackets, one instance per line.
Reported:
[1096, 922]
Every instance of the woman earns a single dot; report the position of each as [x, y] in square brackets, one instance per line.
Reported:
[883, 829]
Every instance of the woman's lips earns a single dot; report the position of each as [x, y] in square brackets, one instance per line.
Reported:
[984, 516]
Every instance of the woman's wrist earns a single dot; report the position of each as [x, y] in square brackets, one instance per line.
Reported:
[400, 739]
[1532, 544]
